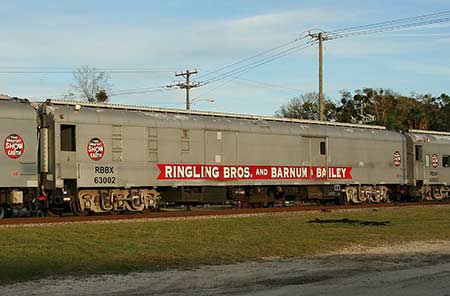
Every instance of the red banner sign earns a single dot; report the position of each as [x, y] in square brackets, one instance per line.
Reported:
[252, 172]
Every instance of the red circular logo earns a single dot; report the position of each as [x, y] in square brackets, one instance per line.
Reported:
[95, 149]
[397, 158]
[434, 160]
[14, 146]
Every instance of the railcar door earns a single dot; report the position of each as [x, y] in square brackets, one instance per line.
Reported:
[318, 151]
[418, 163]
[67, 153]
[68, 158]
[220, 147]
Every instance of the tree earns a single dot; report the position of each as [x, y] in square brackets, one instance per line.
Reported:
[376, 106]
[92, 84]
[384, 107]
[306, 106]
[438, 111]
[101, 96]
[346, 112]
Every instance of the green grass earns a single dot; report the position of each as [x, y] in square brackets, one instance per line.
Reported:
[80, 249]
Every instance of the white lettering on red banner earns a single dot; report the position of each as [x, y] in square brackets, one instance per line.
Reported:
[252, 172]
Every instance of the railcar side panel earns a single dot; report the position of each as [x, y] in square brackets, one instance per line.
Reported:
[272, 149]
[372, 161]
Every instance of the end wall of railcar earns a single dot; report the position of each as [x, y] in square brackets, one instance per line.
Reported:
[18, 152]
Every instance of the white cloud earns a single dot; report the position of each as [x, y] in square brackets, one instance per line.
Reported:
[74, 41]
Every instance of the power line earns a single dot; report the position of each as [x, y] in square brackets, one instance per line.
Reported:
[92, 67]
[118, 92]
[233, 76]
[381, 30]
[71, 72]
[391, 22]
[232, 73]
[257, 63]
[330, 35]
[136, 92]
[269, 85]
[209, 73]
[246, 68]
[217, 86]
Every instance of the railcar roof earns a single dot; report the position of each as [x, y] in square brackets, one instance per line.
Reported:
[424, 136]
[15, 108]
[426, 132]
[208, 113]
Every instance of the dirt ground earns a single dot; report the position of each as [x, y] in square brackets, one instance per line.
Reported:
[417, 268]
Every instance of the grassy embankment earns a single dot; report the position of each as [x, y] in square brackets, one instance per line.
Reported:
[80, 249]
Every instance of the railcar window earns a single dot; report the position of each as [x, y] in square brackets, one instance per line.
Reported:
[427, 160]
[67, 137]
[419, 152]
[445, 161]
[323, 148]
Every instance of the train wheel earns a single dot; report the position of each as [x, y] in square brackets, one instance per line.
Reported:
[341, 199]
[137, 204]
[34, 207]
[76, 208]
[2, 212]
[438, 193]
[41, 213]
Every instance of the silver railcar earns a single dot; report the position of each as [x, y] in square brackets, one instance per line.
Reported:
[115, 157]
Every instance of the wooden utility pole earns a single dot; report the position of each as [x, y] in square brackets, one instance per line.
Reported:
[321, 99]
[320, 37]
[187, 85]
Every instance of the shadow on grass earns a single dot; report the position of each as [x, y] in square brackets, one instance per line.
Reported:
[350, 221]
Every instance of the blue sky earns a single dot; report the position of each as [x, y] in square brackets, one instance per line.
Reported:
[170, 36]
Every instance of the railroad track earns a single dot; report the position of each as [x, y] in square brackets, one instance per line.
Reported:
[202, 213]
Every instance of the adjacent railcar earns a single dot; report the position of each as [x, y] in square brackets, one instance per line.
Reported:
[111, 158]
[428, 164]
[18, 156]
